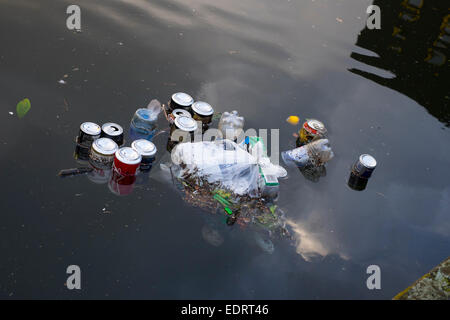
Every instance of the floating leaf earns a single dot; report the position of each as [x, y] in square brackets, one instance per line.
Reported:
[23, 107]
[273, 208]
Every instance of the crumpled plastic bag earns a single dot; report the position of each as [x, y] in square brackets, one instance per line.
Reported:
[220, 162]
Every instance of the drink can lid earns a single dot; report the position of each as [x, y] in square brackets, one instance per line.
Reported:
[144, 147]
[112, 129]
[181, 112]
[182, 99]
[105, 146]
[368, 161]
[202, 108]
[90, 128]
[128, 155]
[186, 123]
[314, 126]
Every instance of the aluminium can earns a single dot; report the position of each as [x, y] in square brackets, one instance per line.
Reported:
[127, 161]
[113, 131]
[311, 130]
[147, 150]
[181, 100]
[202, 111]
[102, 152]
[178, 113]
[186, 127]
[365, 165]
[89, 132]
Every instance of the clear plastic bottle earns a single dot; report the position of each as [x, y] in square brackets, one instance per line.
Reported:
[315, 153]
[231, 125]
[144, 122]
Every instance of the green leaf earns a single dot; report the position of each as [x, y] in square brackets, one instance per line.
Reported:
[272, 209]
[23, 107]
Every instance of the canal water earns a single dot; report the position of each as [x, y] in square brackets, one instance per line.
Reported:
[383, 92]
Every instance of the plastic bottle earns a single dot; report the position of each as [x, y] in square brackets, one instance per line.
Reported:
[143, 124]
[315, 153]
[231, 125]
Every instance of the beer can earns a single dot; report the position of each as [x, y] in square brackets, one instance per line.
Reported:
[202, 111]
[365, 166]
[127, 161]
[113, 131]
[102, 152]
[147, 150]
[311, 130]
[121, 185]
[89, 131]
[187, 125]
[177, 113]
[181, 100]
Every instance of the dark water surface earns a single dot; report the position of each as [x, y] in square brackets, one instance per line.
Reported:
[377, 92]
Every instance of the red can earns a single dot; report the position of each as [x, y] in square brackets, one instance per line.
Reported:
[127, 161]
[121, 185]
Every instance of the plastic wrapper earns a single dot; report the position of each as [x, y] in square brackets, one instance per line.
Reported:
[231, 125]
[219, 163]
[315, 153]
[222, 164]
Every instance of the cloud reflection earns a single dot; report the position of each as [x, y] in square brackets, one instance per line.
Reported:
[311, 245]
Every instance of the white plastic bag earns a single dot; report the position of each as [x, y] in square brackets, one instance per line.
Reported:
[221, 162]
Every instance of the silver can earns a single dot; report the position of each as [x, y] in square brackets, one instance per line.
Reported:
[365, 165]
[187, 125]
[102, 152]
[89, 131]
[181, 100]
[147, 150]
[113, 131]
[202, 111]
[178, 113]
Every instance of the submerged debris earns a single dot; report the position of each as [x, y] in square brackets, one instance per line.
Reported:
[74, 171]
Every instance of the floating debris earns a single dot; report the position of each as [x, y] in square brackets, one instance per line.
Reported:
[74, 171]
[23, 107]
[361, 172]
[294, 120]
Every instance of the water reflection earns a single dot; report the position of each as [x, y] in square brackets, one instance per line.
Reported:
[312, 245]
[413, 43]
